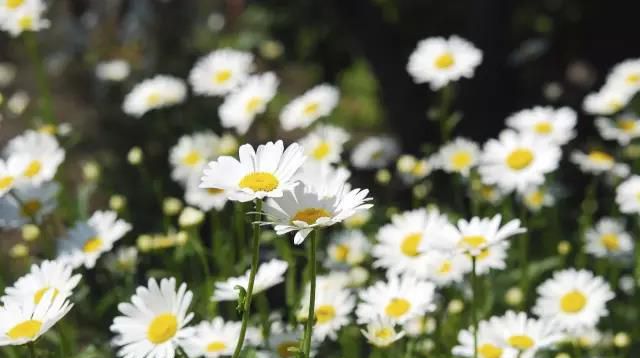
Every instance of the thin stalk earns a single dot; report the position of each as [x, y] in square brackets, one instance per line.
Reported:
[474, 305]
[32, 350]
[252, 278]
[46, 108]
[446, 98]
[524, 258]
[308, 331]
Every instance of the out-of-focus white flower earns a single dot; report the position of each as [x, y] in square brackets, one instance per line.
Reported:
[374, 152]
[154, 93]
[598, 162]
[628, 194]
[18, 16]
[35, 155]
[306, 109]
[610, 99]
[324, 144]
[458, 156]
[623, 129]
[190, 217]
[382, 332]
[556, 125]
[113, 70]
[220, 72]
[608, 238]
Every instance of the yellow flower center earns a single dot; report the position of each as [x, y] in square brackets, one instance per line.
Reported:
[216, 346]
[259, 181]
[162, 328]
[215, 191]
[600, 157]
[27, 329]
[222, 76]
[519, 159]
[37, 297]
[341, 252]
[543, 127]
[310, 215]
[474, 241]
[192, 158]
[573, 302]
[627, 125]
[283, 349]
[610, 242]
[633, 78]
[253, 104]
[14, 4]
[92, 245]
[31, 207]
[445, 61]
[410, 244]
[461, 160]
[25, 22]
[6, 182]
[489, 350]
[615, 105]
[325, 313]
[154, 99]
[535, 199]
[48, 129]
[484, 253]
[384, 333]
[34, 167]
[311, 108]
[397, 308]
[445, 267]
[521, 342]
[321, 151]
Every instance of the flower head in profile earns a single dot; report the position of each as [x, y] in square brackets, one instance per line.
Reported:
[34, 156]
[381, 332]
[324, 144]
[158, 92]
[220, 72]
[623, 128]
[301, 210]
[9, 172]
[598, 162]
[306, 109]
[610, 99]
[269, 274]
[87, 241]
[52, 276]
[374, 152]
[556, 125]
[263, 172]
[608, 239]
[626, 75]
[25, 321]
[113, 70]
[628, 195]
[516, 161]
[241, 106]
[153, 324]
[439, 61]
[573, 299]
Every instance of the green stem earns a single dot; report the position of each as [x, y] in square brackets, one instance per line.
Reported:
[181, 353]
[474, 305]
[32, 349]
[308, 331]
[252, 277]
[524, 259]
[46, 109]
[446, 98]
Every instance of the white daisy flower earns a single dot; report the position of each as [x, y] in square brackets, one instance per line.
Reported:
[535, 198]
[490, 193]
[349, 247]
[628, 195]
[608, 238]
[18, 16]
[281, 341]
[9, 172]
[204, 199]
[458, 156]
[242, 105]
[573, 299]
[113, 70]
[153, 324]
[24, 322]
[381, 332]
[623, 129]
[525, 335]
[301, 210]
[52, 276]
[399, 299]
[492, 257]
[438, 61]
[324, 144]
[323, 179]
[220, 72]
[212, 339]
[398, 247]
[447, 268]
[489, 343]
[33, 205]
[626, 74]
[265, 172]
[157, 92]
[374, 152]
[516, 161]
[610, 99]
[332, 309]
[598, 162]
[190, 155]
[35, 155]
[87, 241]
[357, 220]
[476, 235]
[306, 109]
[269, 274]
[556, 125]
[412, 169]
